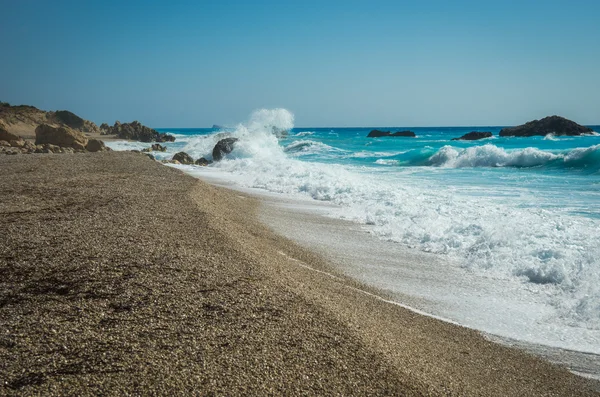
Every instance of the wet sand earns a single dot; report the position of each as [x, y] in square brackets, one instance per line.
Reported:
[122, 276]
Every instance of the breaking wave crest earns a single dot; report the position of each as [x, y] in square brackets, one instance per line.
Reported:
[493, 156]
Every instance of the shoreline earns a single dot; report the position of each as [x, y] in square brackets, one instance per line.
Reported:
[138, 278]
[349, 247]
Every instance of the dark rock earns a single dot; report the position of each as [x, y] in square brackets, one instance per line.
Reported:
[279, 132]
[473, 136]
[159, 148]
[202, 161]
[60, 136]
[379, 134]
[407, 134]
[548, 125]
[183, 158]
[95, 145]
[223, 147]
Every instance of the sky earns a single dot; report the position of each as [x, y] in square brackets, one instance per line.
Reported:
[331, 63]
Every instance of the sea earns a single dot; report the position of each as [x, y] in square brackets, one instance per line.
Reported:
[508, 227]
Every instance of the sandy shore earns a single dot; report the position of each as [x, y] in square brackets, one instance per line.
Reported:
[122, 276]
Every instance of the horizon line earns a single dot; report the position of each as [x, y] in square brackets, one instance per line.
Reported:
[390, 127]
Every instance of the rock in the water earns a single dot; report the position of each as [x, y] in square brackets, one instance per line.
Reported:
[548, 125]
[202, 161]
[95, 145]
[223, 147]
[473, 136]
[406, 134]
[157, 147]
[379, 134]
[183, 158]
[60, 136]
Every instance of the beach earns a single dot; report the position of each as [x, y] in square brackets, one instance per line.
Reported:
[125, 277]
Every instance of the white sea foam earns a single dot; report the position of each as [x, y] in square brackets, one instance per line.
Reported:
[369, 154]
[387, 162]
[304, 133]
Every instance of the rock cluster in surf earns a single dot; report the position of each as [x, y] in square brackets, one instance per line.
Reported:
[473, 136]
[548, 125]
[135, 131]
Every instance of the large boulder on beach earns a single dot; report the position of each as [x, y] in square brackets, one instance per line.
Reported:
[473, 136]
[223, 147]
[379, 134]
[96, 145]
[183, 158]
[60, 136]
[8, 136]
[548, 125]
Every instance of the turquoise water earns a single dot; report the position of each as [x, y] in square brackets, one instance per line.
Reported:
[518, 210]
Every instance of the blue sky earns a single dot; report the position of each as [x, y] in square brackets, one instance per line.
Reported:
[332, 63]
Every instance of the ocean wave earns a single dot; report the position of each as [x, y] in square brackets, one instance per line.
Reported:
[304, 147]
[304, 133]
[367, 154]
[492, 156]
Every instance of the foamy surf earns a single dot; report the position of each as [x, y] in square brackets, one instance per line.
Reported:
[501, 213]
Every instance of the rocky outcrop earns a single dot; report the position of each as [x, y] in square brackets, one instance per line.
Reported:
[473, 136]
[223, 147]
[548, 125]
[137, 132]
[379, 134]
[60, 136]
[25, 119]
[183, 158]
